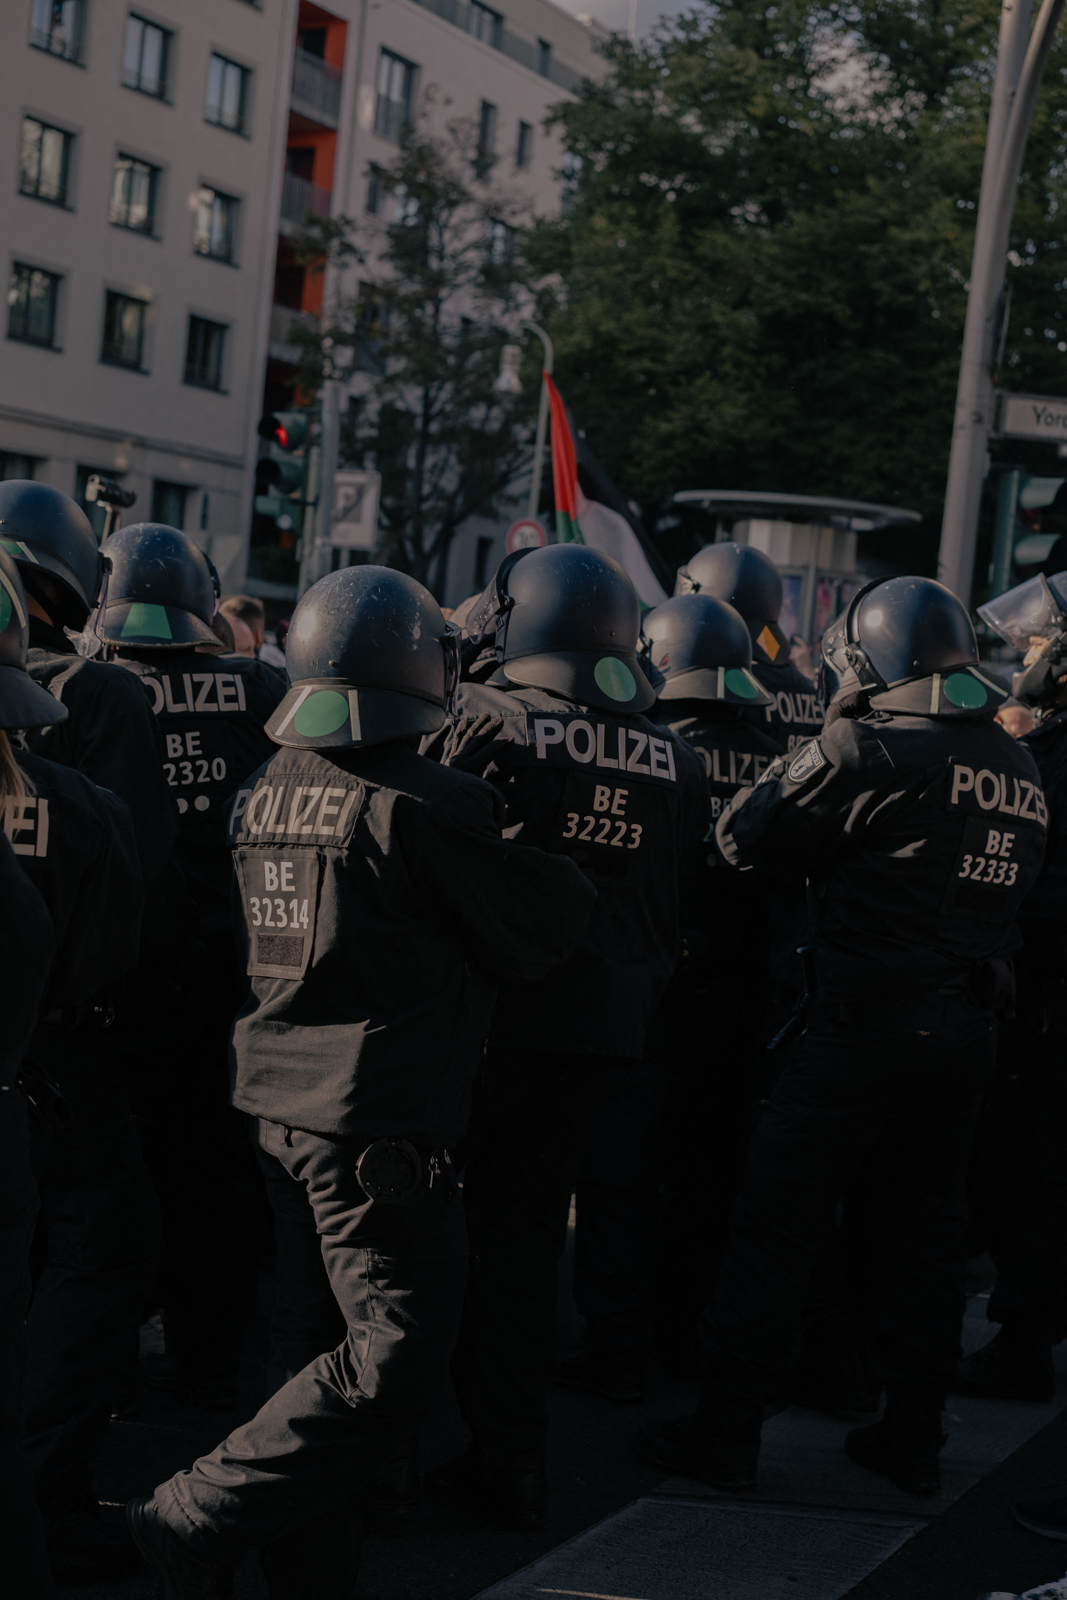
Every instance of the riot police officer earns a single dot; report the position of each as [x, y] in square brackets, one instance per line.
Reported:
[380, 907]
[922, 824]
[750, 582]
[560, 733]
[98, 1234]
[1019, 1188]
[156, 621]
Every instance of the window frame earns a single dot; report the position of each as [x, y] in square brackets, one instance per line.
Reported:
[485, 24]
[184, 489]
[223, 329]
[524, 146]
[383, 122]
[488, 128]
[63, 199]
[55, 279]
[41, 40]
[155, 174]
[239, 127]
[233, 204]
[118, 361]
[137, 83]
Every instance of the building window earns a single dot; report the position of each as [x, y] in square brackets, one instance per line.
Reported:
[31, 304]
[312, 41]
[524, 145]
[124, 320]
[544, 57]
[501, 244]
[168, 503]
[227, 94]
[133, 194]
[485, 24]
[44, 161]
[16, 466]
[203, 353]
[374, 194]
[483, 160]
[58, 26]
[482, 551]
[215, 229]
[144, 60]
[396, 91]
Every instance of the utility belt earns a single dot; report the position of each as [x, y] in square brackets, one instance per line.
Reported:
[392, 1170]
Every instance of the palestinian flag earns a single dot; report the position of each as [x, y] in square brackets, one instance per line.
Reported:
[590, 510]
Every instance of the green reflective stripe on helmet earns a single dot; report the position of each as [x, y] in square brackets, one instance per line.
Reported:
[614, 678]
[965, 691]
[15, 548]
[145, 621]
[322, 712]
[10, 602]
[740, 683]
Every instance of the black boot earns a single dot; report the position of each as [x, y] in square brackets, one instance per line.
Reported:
[511, 1489]
[184, 1575]
[602, 1369]
[1015, 1365]
[904, 1446]
[720, 1445]
[393, 1498]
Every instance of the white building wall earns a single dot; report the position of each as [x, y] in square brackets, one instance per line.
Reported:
[64, 405]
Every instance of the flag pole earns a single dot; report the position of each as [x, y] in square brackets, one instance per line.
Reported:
[542, 418]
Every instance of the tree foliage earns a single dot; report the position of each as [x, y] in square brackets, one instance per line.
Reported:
[760, 278]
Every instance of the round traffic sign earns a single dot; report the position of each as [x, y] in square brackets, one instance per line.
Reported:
[526, 534]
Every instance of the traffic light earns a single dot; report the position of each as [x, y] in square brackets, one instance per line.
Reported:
[280, 473]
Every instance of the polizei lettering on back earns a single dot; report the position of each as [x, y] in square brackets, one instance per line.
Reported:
[578, 742]
[174, 693]
[984, 790]
[289, 808]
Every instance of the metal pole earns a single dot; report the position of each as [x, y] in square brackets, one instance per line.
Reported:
[329, 440]
[1008, 489]
[1020, 65]
[542, 419]
[307, 536]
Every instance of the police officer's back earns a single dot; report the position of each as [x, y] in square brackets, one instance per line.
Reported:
[379, 904]
[749, 581]
[562, 736]
[922, 825]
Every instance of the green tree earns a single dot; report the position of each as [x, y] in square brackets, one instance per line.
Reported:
[760, 278]
[440, 278]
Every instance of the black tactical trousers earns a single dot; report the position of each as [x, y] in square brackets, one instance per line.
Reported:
[893, 1092]
[397, 1273]
[94, 1259]
[528, 1128]
[25, 1566]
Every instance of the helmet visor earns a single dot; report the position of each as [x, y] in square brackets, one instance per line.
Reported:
[1027, 615]
[834, 662]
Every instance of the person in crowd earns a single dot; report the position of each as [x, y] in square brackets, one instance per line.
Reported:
[750, 582]
[244, 642]
[98, 1229]
[922, 825]
[380, 907]
[156, 621]
[244, 609]
[558, 731]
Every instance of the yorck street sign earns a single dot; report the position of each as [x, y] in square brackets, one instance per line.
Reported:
[354, 521]
[1033, 416]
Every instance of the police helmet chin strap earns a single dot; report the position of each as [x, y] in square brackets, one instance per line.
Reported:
[867, 676]
[216, 583]
[450, 640]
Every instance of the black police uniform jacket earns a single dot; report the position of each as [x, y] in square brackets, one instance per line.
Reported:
[627, 802]
[27, 944]
[379, 907]
[919, 836]
[796, 712]
[1043, 914]
[75, 842]
[210, 710]
[109, 735]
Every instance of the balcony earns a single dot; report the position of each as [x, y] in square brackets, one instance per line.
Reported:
[301, 198]
[509, 44]
[316, 89]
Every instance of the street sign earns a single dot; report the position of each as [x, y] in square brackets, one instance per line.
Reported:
[1033, 416]
[354, 521]
[526, 534]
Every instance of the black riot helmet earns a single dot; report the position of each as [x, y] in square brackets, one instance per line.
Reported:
[161, 593]
[23, 703]
[1033, 618]
[750, 582]
[702, 649]
[567, 620]
[370, 658]
[907, 644]
[46, 533]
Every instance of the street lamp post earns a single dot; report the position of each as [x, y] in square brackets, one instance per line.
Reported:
[508, 383]
[1021, 58]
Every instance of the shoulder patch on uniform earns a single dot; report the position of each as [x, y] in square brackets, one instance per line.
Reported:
[807, 761]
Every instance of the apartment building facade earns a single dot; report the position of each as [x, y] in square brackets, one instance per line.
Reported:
[155, 163]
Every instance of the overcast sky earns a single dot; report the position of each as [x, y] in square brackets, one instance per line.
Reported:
[616, 13]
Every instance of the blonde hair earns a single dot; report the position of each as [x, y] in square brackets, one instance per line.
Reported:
[14, 784]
